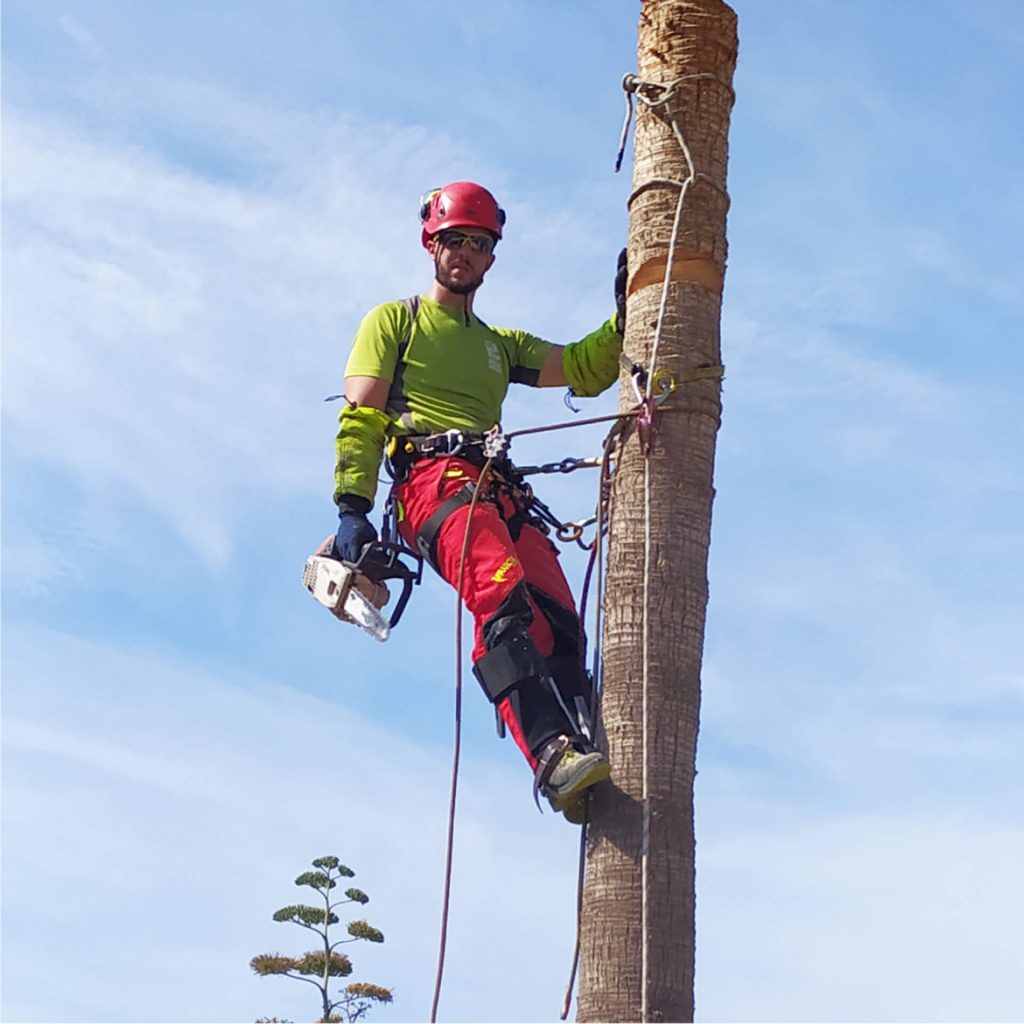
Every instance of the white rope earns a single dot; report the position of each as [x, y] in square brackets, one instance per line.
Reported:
[645, 843]
[684, 186]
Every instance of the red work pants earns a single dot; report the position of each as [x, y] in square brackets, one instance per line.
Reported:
[495, 565]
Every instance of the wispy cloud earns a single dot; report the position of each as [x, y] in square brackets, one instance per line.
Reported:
[187, 328]
[183, 805]
[80, 36]
[190, 235]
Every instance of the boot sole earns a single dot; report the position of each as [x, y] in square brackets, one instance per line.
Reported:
[572, 793]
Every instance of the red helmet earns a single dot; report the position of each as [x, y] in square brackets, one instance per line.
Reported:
[462, 204]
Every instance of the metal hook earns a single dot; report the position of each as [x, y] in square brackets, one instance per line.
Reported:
[629, 84]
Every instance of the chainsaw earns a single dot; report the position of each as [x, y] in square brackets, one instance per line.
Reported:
[356, 591]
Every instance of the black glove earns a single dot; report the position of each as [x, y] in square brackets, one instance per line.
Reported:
[621, 273]
[354, 529]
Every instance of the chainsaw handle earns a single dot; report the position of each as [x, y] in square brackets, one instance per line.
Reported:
[407, 584]
[380, 561]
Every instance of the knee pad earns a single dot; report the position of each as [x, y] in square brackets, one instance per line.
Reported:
[511, 661]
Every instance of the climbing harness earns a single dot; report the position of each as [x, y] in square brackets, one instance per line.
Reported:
[477, 448]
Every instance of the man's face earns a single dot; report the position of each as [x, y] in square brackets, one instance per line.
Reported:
[461, 258]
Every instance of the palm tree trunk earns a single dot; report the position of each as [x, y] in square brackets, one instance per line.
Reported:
[638, 933]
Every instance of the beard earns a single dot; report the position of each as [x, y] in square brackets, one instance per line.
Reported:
[444, 279]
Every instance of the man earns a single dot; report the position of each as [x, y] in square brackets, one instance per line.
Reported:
[427, 378]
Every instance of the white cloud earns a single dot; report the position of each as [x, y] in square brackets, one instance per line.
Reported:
[166, 812]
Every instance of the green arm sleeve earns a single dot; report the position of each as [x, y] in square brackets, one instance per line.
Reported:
[360, 446]
[591, 364]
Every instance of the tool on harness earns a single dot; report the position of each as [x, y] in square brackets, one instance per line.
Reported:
[495, 443]
[356, 591]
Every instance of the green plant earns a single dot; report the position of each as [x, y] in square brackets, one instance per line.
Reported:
[318, 967]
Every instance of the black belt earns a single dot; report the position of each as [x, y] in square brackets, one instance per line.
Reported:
[404, 451]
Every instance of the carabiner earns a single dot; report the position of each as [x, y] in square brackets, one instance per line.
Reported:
[453, 435]
[665, 381]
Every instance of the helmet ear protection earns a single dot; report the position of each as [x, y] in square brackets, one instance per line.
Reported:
[425, 201]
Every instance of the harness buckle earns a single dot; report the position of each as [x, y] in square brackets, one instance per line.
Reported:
[458, 438]
[451, 442]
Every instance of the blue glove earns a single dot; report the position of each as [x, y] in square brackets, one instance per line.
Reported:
[621, 273]
[354, 529]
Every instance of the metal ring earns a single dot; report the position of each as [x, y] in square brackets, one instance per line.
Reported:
[665, 380]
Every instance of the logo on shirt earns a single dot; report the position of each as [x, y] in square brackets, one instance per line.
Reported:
[493, 357]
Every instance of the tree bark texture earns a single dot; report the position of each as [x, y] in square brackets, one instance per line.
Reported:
[677, 38]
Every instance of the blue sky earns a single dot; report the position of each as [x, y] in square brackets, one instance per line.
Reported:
[200, 201]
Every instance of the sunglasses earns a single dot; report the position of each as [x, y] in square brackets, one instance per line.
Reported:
[452, 239]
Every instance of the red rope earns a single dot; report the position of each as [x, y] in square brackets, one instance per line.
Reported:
[457, 746]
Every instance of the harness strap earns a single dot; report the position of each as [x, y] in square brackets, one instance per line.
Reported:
[396, 394]
[412, 304]
[426, 539]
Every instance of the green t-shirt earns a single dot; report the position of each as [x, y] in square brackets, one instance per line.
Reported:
[453, 375]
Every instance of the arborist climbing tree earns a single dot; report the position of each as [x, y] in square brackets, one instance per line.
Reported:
[424, 387]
